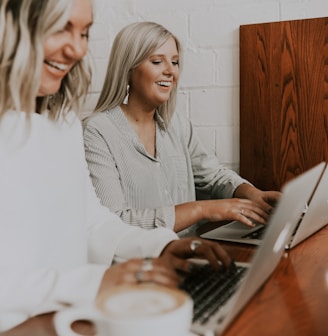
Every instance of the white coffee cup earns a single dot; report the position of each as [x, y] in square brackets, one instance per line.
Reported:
[132, 310]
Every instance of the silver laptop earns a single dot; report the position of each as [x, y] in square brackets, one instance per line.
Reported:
[314, 215]
[218, 315]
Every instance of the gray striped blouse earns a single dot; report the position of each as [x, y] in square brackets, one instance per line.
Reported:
[142, 189]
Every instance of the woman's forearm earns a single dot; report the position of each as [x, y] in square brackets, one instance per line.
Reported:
[187, 214]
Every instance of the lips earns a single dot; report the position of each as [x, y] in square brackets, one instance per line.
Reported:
[56, 65]
[164, 83]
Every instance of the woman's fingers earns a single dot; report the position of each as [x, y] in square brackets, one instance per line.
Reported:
[212, 251]
[192, 247]
[242, 210]
[250, 214]
[158, 277]
[141, 270]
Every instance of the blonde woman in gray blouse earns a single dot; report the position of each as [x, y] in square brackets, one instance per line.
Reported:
[146, 161]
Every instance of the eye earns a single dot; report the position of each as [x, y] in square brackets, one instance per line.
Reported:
[156, 61]
[175, 63]
[65, 29]
[61, 31]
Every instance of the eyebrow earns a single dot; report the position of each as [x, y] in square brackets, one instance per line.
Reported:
[162, 55]
[87, 26]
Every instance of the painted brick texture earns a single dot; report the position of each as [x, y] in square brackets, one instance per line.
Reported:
[209, 32]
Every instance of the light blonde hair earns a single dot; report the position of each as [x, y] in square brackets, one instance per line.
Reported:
[24, 26]
[131, 47]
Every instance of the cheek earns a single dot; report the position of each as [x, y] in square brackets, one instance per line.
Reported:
[177, 75]
[49, 46]
[85, 47]
[143, 80]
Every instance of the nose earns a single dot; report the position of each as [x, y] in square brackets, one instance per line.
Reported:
[169, 69]
[76, 47]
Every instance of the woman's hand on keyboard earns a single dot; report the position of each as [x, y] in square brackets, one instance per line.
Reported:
[250, 205]
[134, 271]
[233, 209]
[179, 251]
[266, 200]
[243, 210]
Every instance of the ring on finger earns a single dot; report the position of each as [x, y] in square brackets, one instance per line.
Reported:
[147, 264]
[242, 212]
[138, 276]
[194, 244]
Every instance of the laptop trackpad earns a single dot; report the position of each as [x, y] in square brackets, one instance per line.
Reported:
[233, 229]
[235, 225]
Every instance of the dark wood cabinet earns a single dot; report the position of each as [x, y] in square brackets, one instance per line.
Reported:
[283, 99]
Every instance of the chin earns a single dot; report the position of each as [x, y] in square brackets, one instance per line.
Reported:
[49, 84]
[48, 91]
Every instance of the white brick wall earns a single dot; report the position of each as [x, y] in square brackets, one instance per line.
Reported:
[209, 32]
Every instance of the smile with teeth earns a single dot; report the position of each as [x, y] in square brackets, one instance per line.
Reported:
[58, 66]
[164, 83]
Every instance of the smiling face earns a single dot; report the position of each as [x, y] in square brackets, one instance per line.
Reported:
[66, 47]
[152, 82]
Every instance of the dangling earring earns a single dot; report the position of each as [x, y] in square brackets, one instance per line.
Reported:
[126, 99]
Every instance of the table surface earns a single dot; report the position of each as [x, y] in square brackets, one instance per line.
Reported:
[293, 302]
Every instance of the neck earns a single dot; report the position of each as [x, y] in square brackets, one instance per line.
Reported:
[137, 115]
[145, 127]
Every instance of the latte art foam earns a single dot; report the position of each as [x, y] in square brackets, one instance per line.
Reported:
[145, 302]
[141, 300]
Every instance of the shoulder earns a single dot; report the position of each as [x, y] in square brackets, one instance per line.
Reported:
[95, 119]
[100, 122]
[180, 124]
[103, 126]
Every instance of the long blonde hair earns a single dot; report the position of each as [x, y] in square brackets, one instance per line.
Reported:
[24, 26]
[131, 47]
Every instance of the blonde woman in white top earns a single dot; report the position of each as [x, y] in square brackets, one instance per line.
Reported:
[56, 241]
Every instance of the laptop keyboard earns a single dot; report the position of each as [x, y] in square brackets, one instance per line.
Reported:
[210, 289]
[257, 234]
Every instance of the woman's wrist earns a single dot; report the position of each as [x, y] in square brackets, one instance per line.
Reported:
[187, 214]
[243, 191]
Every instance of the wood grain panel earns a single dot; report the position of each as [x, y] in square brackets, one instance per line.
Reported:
[283, 99]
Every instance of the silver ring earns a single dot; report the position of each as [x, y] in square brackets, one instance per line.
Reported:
[138, 276]
[242, 211]
[147, 264]
[194, 244]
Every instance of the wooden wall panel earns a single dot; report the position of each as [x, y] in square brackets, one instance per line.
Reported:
[283, 99]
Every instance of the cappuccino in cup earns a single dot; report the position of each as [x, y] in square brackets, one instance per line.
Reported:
[132, 310]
